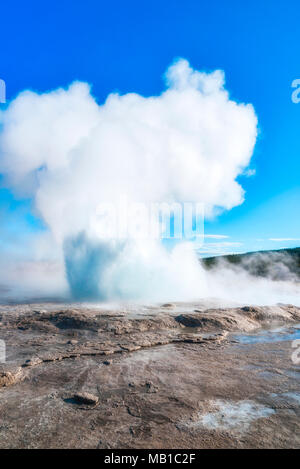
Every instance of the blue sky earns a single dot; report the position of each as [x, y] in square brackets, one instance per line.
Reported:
[126, 46]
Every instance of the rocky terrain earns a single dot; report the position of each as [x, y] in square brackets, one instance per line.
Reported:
[159, 376]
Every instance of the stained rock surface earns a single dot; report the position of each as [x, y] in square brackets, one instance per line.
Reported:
[156, 376]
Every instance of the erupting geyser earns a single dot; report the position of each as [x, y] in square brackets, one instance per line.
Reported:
[68, 153]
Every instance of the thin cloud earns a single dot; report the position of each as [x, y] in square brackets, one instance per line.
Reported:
[215, 236]
[283, 239]
[221, 248]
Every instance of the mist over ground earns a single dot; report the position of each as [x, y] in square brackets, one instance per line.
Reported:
[266, 277]
[262, 278]
[283, 264]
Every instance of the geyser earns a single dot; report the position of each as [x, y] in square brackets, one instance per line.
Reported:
[69, 153]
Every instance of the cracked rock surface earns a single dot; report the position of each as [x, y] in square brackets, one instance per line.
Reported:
[159, 376]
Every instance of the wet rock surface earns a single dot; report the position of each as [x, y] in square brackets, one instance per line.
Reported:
[159, 376]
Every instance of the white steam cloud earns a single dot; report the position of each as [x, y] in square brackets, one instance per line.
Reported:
[260, 278]
[69, 154]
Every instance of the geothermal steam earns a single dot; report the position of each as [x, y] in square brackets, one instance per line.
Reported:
[69, 154]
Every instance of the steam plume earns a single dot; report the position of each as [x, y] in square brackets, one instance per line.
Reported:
[68, 153]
